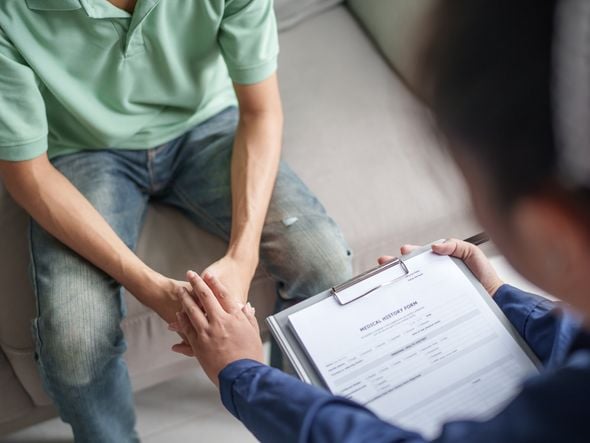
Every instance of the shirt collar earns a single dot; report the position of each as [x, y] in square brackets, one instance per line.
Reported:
[103, 9]
[93, 8]
[54, 5]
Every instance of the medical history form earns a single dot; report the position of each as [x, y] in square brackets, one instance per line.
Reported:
[418, 349]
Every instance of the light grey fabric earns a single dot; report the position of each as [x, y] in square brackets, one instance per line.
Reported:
[15, 401]
[291, 12]
[397, 27]
[355, 136]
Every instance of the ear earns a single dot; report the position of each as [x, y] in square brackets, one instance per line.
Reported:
[555, 247]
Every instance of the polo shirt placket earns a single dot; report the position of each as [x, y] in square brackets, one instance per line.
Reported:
[133, 39]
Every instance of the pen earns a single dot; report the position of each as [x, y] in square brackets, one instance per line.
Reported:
[478, 239]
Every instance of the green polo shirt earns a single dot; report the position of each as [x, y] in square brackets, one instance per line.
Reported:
[82, 74]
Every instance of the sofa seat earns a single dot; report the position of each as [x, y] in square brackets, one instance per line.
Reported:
[354, 134]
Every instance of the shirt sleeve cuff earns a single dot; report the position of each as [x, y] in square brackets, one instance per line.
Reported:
[227, 378]
[253, 74]
[518, 305]
[24, 151]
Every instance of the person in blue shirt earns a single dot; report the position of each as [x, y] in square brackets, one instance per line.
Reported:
[508, 83]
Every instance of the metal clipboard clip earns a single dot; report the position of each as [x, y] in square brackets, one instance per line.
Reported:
[368, 282]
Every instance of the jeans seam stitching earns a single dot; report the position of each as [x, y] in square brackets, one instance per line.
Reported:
[35, 285]
[38, 342]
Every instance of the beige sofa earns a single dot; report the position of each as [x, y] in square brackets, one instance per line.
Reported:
[353, 132]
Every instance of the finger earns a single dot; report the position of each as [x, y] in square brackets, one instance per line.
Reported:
[186, 329]
[179, 327]
[250, 314]
[182, 285]
[475, 259]
[219, 290]
[228, 302]
[188, 334]
[183, 322]
[184, 349]
[384, 259]
[455, 248]
[193, 311]
[406, 249]
[205, 295]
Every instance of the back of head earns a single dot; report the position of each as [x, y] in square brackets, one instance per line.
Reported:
[486, 73]
[489, 73]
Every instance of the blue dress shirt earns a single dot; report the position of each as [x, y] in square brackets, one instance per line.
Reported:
[553, 406]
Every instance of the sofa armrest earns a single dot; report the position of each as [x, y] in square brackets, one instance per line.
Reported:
[396, 27]
[292, 12]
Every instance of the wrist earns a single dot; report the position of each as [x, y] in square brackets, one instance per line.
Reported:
[246, 255]
[143, 281]
[493, 289]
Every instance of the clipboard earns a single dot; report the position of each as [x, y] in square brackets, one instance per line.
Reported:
[305, 369]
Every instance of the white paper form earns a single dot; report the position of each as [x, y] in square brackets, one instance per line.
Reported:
[420, 352]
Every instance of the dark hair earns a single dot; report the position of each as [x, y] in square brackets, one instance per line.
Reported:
[486, 73]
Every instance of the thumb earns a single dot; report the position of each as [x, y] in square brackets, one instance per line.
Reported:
[184, 349]
[455, 248]
[446, 248]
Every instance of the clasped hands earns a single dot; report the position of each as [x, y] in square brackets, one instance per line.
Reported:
[217, 328]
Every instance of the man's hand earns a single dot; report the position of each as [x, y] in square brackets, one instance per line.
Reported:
[473, 257]
[161, 295]
[219, 330]
[235, 275]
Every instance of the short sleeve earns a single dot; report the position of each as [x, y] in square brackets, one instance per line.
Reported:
[248, 39]
[23, 121]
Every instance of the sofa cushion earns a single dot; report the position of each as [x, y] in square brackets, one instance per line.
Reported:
[291, 12]
[397, 27]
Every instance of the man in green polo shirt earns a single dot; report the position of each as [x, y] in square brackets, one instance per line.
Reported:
[107, 104]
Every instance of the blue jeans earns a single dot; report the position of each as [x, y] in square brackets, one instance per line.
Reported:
[79, 338]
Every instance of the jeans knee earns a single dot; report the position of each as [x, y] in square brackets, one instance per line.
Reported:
[78, 328]
[320, 273]
[74, 359]
[315, 257]
[74, 352]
